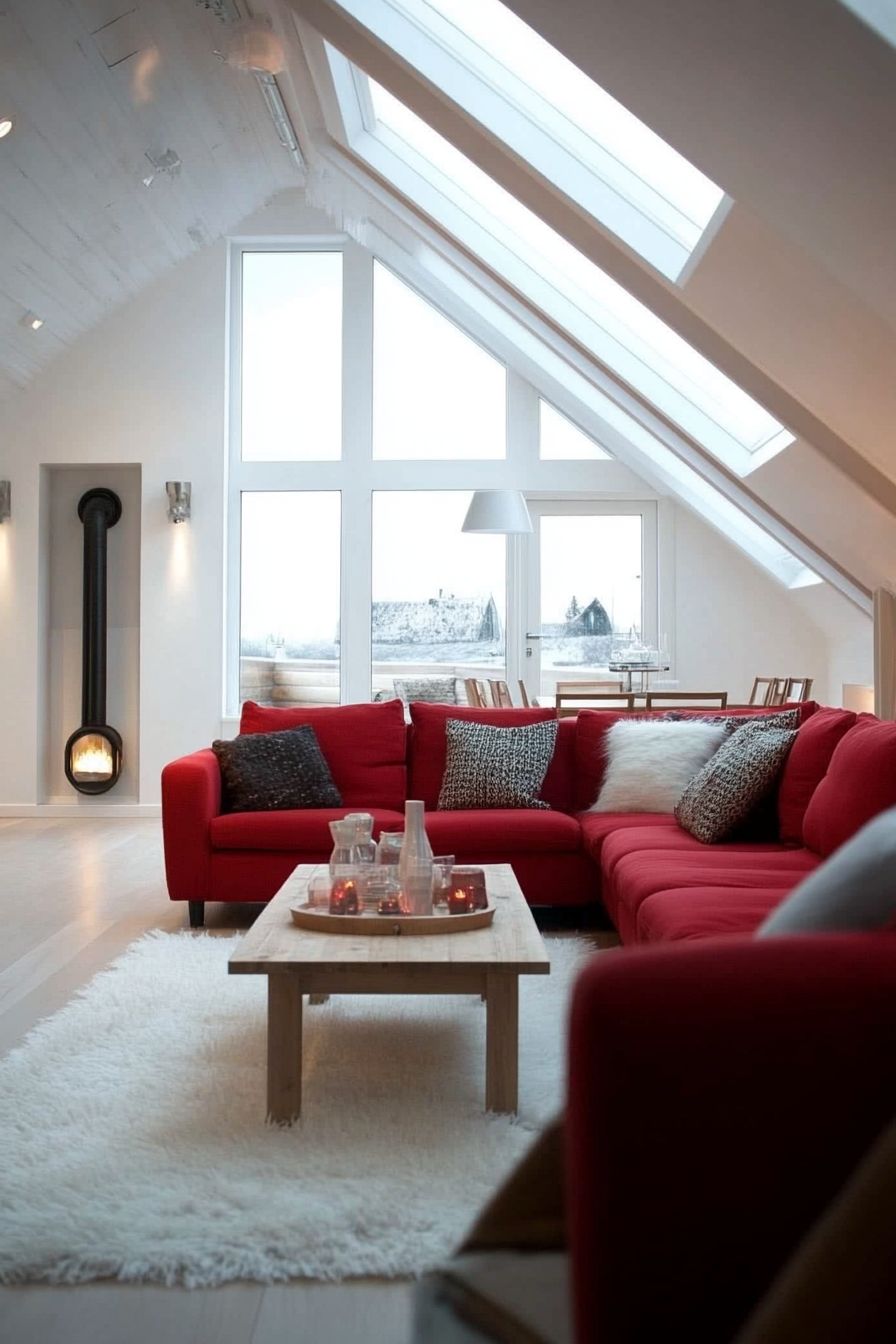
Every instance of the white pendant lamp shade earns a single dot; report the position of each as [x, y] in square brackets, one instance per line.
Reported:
[497, 511]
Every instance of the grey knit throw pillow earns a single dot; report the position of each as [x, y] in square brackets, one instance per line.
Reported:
[490, 767]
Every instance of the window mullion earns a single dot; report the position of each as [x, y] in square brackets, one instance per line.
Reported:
[357, 448]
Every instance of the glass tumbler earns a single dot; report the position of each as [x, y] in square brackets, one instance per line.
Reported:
[441, 878]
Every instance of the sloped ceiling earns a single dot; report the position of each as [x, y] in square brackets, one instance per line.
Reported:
[790, 108]
[100, 89]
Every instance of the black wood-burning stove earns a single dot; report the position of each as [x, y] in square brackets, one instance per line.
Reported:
[93, 757]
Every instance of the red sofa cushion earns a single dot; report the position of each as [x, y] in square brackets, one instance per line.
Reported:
[650, 836]
[639, 875]
[365, 746]
[600, 828]
[704, 912]
[302, 832]
[428, 748]
[860, 782]
[806, 765]
[511, 830]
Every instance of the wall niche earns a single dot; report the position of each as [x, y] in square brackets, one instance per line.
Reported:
[62, 555]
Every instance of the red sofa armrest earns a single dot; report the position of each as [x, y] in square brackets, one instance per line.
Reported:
[720, 1093]
[191, 797]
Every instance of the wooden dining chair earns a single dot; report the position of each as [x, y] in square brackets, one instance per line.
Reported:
[571, 696]
[699, 699]
[524, 695]
[778, 692]
[500, 694]
[476, 693]
[763, 689]
[797, 689]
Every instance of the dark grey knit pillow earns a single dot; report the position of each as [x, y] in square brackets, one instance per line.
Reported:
[274, 772]
[734, 782]
[489, 767]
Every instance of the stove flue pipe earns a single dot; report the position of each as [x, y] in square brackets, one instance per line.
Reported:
[99, 509]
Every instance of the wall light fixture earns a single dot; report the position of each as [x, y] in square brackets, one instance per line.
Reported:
[179, 501]
[5, 501]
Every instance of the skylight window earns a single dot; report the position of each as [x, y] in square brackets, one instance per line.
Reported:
[619, 330]
[553, 117]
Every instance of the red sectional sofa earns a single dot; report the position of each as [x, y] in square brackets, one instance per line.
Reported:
[721, 1093]
[656, 881]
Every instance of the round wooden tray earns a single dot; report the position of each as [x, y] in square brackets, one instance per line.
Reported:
[389, 926]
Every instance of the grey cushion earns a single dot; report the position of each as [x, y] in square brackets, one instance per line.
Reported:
[734, 781]
[274, 772]
[855, 889]
[431, 690]
[487, 767]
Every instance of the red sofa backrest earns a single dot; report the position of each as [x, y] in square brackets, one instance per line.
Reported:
[593, 724]
[859, 783]
[365, 746]
[428, 750]
[806, 766]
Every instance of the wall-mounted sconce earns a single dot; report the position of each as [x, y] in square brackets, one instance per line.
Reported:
[5, 501]
[178, 501]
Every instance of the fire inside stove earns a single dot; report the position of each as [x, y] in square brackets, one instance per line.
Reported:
[92, 760]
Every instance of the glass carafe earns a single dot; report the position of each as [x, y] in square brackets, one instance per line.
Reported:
[343, 860]
[388, 850]
[365, 845]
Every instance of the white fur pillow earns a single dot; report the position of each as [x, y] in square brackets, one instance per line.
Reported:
[649, 764]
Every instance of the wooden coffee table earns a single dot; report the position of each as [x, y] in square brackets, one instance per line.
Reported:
[487, 962]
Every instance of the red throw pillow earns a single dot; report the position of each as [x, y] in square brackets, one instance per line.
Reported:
[429, 746]
[364, 745]
[860, 782]
[806, 766]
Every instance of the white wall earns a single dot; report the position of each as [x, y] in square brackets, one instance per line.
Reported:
[733, 622]
[148, 387]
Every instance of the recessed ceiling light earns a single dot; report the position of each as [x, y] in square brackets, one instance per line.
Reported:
[33, 321]
[6, 125]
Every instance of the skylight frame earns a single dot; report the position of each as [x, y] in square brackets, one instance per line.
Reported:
[524, 267]
[616, 195]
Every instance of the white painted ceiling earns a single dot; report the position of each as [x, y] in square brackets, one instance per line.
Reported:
[98, 89]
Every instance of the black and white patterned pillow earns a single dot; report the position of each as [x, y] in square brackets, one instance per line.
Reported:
[489, 767]
[785, 718]
[274, 772]
[734, 781]
[431, 690]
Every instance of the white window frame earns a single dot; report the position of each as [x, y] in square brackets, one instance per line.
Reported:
[357, 475]
[610, 190]
[523, 267]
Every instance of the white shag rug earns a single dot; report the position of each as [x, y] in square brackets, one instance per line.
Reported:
[134, 1144]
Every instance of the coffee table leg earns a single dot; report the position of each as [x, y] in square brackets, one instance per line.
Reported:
[501, 1041]
[284, 1048]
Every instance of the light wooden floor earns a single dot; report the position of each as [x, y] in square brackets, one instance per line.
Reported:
[73, 895]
